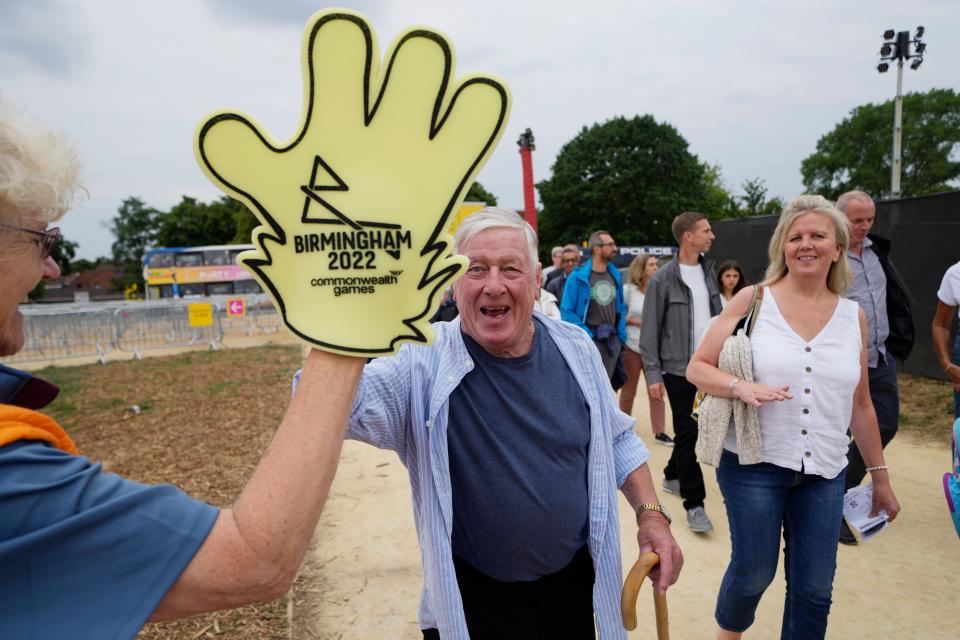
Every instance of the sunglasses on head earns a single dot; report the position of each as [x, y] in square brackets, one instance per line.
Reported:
[46, 240]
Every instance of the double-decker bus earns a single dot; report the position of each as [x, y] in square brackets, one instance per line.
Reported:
[176, 272]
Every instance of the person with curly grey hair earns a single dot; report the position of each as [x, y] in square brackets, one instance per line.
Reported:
[809, 352]
[89, 553]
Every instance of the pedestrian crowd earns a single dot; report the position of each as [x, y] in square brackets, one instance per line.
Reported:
[514, 492]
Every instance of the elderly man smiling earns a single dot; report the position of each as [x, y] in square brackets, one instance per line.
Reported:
[514, 492]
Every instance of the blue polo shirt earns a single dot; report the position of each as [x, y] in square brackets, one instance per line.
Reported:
[83, 553]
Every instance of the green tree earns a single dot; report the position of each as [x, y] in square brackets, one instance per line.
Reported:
[134, 229]
[719, 202]
[477, 193]
[83, 264]
[630, 176]
[63, 254]
[243, 220]
[191, 223]
[856, 153]
[754, 201]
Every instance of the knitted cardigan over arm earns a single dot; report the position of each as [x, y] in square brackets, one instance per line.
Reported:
[716, 412]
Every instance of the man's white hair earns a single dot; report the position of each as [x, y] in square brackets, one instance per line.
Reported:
[556, 251]
[856, 194]
[496, 218]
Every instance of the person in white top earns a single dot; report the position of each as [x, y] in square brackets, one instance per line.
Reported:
[731, 280]
[547, 304]
[634, 290]
[810, 370]
[948, 301]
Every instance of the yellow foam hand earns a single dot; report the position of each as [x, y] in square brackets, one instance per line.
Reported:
[354, 209]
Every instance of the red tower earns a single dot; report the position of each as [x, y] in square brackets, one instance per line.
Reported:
[526, 158]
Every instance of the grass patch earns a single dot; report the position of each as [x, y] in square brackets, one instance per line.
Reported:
[926, 407]
[107, 404]
[215, 389]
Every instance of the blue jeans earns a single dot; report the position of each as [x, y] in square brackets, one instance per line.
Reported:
[761, 500]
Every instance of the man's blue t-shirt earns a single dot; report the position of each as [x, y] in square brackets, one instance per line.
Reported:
[518, 441]
[83, 553]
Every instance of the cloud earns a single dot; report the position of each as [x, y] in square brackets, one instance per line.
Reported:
[289, 12]
[43, 34]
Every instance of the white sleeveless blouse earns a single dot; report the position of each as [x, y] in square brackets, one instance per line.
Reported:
[809, 432]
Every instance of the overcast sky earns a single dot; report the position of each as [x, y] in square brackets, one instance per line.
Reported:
[750, 85]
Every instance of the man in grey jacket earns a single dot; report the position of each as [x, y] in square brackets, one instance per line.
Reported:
[886, 304]
[681, 298]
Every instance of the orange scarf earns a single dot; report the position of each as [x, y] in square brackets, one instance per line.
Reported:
[17, 423]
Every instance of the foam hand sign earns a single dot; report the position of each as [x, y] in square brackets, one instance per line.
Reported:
[354, 208]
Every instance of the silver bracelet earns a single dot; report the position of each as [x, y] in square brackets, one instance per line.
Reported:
[731, 385]
[879, 467]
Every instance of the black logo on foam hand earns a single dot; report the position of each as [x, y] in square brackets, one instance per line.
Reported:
[351, 248]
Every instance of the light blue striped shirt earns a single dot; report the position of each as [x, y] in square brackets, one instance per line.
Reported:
[869, 290]
[402, 404]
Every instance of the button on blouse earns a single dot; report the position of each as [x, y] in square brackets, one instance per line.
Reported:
[822, 375]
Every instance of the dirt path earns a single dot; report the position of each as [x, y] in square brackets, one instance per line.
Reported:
[903, 584]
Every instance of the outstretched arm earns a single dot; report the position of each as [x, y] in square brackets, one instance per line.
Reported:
[255, 548]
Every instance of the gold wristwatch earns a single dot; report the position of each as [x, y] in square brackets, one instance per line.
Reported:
[653, 506]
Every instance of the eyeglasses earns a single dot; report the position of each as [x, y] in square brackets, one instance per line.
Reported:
[46, 240]
[570, 261]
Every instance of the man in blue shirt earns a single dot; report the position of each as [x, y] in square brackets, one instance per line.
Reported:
[90, 554]
[514, 492]
[593, 300]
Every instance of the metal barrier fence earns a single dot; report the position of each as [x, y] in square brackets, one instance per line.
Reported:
[54, 337]
[143, 329]
[63, 331]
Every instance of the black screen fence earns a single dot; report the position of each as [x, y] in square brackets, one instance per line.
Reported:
[925, 237]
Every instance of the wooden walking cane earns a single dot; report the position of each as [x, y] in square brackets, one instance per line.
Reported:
[631, 589]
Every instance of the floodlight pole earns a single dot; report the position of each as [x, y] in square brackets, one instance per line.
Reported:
[897, 131]
[896, 46]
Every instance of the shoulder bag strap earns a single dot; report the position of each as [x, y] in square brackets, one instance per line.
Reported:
[752, 313]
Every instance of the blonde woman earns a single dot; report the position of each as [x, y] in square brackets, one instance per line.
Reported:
[810, 371]
[634, 290]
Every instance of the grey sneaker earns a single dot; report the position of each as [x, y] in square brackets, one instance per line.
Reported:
[698, 521]
[671, 486]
